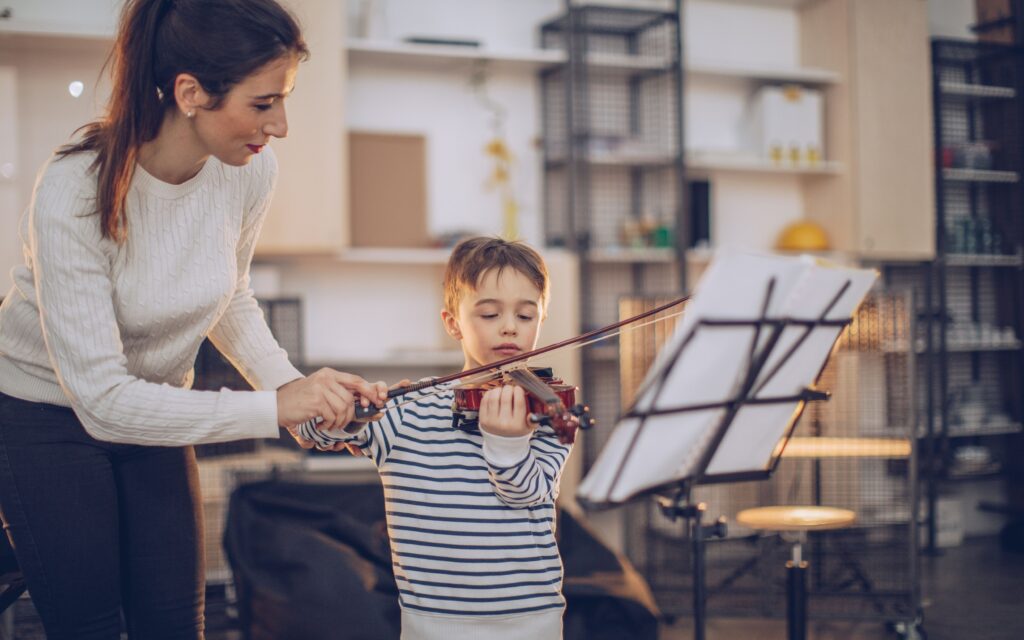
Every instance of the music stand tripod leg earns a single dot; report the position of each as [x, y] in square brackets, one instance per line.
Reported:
[796, 594]
[698, 532]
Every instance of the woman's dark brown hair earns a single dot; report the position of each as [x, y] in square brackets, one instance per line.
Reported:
[220, 42]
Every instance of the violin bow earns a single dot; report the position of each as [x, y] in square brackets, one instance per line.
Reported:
[495, 367]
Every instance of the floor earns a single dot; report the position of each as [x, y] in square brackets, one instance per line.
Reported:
[971, 592]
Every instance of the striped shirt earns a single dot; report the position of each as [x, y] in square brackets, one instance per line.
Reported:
[470, 515]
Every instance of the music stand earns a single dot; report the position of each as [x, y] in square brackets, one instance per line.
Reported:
[725, 392]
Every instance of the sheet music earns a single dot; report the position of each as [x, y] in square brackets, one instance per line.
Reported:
[642, 454]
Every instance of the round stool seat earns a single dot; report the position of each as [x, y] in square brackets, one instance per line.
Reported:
[796, 518]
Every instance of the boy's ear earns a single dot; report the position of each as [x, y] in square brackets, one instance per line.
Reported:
[451, 324]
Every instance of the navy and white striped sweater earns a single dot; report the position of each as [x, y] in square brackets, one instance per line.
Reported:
[472, 535]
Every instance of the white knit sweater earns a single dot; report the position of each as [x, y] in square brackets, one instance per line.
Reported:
[112, 331]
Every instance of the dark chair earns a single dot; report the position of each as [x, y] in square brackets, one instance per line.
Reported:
[312, 561]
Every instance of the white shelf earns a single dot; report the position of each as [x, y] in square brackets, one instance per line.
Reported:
[621, 159]
[429, 55]
[441, 56]
[979, 175]
[801, 75]
[956, 346]
[983, 260]
[23, 32]
[627, 255]
[774, 4]
[358, 255]
[997, 429]
[383, 256]
[724, 162]
[962, 90]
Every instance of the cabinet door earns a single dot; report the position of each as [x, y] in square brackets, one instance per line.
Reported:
[308, 214]
[10, 243]
[893, 110]
[879, 126]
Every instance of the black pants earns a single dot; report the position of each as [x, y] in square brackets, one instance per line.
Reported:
[99, 527]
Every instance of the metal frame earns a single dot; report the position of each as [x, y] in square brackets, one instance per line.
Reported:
[582, 30]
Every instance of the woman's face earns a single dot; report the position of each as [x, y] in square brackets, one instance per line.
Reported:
[251, 113]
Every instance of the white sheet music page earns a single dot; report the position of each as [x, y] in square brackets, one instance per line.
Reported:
[703, 364]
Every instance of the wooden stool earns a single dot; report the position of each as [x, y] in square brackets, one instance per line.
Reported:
[800, 520]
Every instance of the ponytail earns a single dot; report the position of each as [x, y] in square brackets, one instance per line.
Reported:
[218, 41]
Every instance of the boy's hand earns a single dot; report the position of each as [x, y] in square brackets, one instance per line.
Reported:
[503, 412]
[382, 390]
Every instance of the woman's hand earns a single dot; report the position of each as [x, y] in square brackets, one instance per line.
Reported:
[503, 412]
[327, 394]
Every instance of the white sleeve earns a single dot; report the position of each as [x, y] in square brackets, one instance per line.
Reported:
[75, 298]
[242, 334]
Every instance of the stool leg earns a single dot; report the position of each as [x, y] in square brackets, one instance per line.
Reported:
[796, 598]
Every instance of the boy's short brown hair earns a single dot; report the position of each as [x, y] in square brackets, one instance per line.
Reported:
[473, 257]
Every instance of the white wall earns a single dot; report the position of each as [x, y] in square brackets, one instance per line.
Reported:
[67, 16]
[443, 107]
[748, 211]
[43, 114]
[951, 18]
[10, 247]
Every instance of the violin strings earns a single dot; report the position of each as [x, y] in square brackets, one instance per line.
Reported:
[490, 375]
[441, 388]
[620, 331]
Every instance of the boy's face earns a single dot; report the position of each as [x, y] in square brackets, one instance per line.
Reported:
[499, 319]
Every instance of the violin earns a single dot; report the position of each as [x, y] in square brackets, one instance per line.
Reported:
[550, 401]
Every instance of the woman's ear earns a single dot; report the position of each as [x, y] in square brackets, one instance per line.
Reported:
[451, 324]
[189, 94]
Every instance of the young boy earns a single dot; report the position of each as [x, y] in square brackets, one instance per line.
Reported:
[471, 512]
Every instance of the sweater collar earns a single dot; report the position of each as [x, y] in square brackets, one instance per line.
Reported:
[145, 182]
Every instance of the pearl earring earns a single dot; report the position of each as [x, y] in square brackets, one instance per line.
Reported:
[190, 113]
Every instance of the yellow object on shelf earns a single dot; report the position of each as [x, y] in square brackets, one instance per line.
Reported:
[803, 235]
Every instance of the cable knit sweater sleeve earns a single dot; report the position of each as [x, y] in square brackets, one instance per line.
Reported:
[74, 281]
[242, 334]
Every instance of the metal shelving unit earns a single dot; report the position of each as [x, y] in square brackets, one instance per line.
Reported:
[975, 288]
[614, 167]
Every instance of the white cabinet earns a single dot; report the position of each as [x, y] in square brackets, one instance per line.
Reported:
[880, 126]
[309, 213]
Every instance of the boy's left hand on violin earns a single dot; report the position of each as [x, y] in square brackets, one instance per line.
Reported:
[503, 412]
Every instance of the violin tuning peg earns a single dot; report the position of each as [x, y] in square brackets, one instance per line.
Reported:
[582, 412]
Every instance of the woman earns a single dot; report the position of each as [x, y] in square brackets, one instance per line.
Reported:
[138, 243]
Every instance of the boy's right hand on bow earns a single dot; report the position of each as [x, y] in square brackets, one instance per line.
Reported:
[352, 447]
[327, 394]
